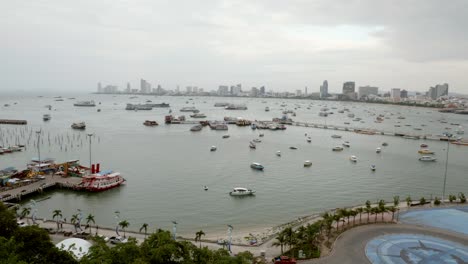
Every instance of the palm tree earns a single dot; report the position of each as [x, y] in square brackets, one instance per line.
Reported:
[337, 218]
[393, 209]
[124, 224]
[382, 208]
[327, 223]
[368, 211]
[145, 227]
[90, 219]
[375, 211]
[360, 210]
[198, 236]
[74, 221]
[58, 214]
[281, 241]
[290, 237]
[25, 212]
[408, 201]
[354, 213]
[396, 200]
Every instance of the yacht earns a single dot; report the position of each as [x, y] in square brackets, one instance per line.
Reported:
[85, 103]
[198, 115]
[337, 148]
[80, 125]
[425, 151]
[257, 166]
[427, 158]
[336, 136]
[353, 158]
[378, 150]
[346, 144]
[307, 163]
[213, 148]
[278, 153]
[46, 117]
[239, 191]
[196, 128]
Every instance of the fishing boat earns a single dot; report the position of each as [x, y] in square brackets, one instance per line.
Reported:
[337, 148]
[261, 135]
[378, 150]
[46, 117]
[85, 103]
[256, 166]
[292, 147]
[98, 182]
[189, 109]
[423, 145]
[267, 109]
[353, 158]
[221, 104]
[427, 158]
[213, 148]
[196, 128]
[385, 144]
[309, 139]
[240, 191]
[150, 123]
[80, 125]
[425, 151]
[307, 163]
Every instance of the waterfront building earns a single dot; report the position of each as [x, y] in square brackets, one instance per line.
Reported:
[145, 87]
[438, 91]
[129, 88]
[262, 90]
[223, 90]
[366, 91]
[298, 93]
[395, 94]
[99, 87]
[254, 92]
[404, 94]
[349, 90]
[324, 89]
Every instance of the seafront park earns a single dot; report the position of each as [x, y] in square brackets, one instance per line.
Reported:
[327, 165]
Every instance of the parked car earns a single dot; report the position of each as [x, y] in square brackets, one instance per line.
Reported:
[106, 239]
[21, 224]
[117, 240]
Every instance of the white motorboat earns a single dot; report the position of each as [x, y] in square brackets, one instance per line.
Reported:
[309, 139]
[378, 150]
[346, 144]
[307, 163]
[372, 167]
[427, 158]
[278, 153]
[240, 191]
[252, 145]
[80, 125]
[85, 103]
[337, 148]
[336, 136]
[256, 166]
[353, 158]
[46, 117]
[213, 148]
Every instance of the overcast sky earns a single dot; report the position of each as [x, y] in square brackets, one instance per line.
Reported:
[70, 45]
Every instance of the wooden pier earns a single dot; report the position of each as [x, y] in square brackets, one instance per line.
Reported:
[13, 122]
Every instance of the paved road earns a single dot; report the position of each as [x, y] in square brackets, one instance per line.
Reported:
[350, 247]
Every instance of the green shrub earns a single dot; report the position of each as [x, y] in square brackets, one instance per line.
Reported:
[422, 200]
[436, 201]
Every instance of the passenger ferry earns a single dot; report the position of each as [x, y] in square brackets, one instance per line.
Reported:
[99, 182]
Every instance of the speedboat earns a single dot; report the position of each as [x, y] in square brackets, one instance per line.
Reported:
[213, 148]
[252, 145]
[226, 136]
[427, 158]
[261, 135]
[353, 158]
[423, 145]
[239, 191]
[336, 136]
[257, 166]
[196, 128]
[425, 151]
[80, 125]
[372, 167]
[346, 144]
[150, 123]
[378, 150]
[46, 117]
[307, 163]
[278, 153]
[337, 148]
[292, 147]
[385, 144]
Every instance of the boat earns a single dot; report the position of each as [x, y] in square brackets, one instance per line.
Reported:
[252, 145]
[226, 136]
[353, 158]
[235, 107]
[385, 144]
[137, 107]
[80, 125]
[196, 128]
[293, 147]
[460, 130]
[98, 182]
[150, 123]
[189, 109]
[198, 115]
[85, 103]
[46, 117]
[372, 167]
[239, 191]
[99, 110]
[161, 105]
[336, 136]
[261, 135]
[427, 158]
[257, 140]
[423, 145]
[337, 148]
[267, 109]
[309, 139]
[307, 163]
[378, 150]
[351, 115]
[325, 114]
[278, 153]
[346, 144]
[460, 143]
[401, 117]
[205, 188]
[425, 151]
[253, 126]
[221, 104]
[256, 166]
[213, 148]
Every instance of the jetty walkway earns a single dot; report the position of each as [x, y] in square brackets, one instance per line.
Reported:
[49, 181]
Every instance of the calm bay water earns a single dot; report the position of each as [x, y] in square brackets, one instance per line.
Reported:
[167, 166]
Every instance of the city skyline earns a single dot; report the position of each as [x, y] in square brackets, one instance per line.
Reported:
[284, 46]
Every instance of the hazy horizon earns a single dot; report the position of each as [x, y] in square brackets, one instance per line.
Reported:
[68, 47]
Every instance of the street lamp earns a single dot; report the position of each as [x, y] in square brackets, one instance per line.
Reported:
[90, 162]
[230, 237]
[38, 145]
[174, 229]
[449, 136]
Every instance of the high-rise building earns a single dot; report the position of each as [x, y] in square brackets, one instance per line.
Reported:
[223, 90]
[298, 92]
[438, 91]
[99, 87]
[395, 93]
[189, 89]
[129, 88]
[404, 94]
[324, 89]
[365, 91]
[305, 90]
[254, 92]
[145, 87]
[349, 90]
[262, 90]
